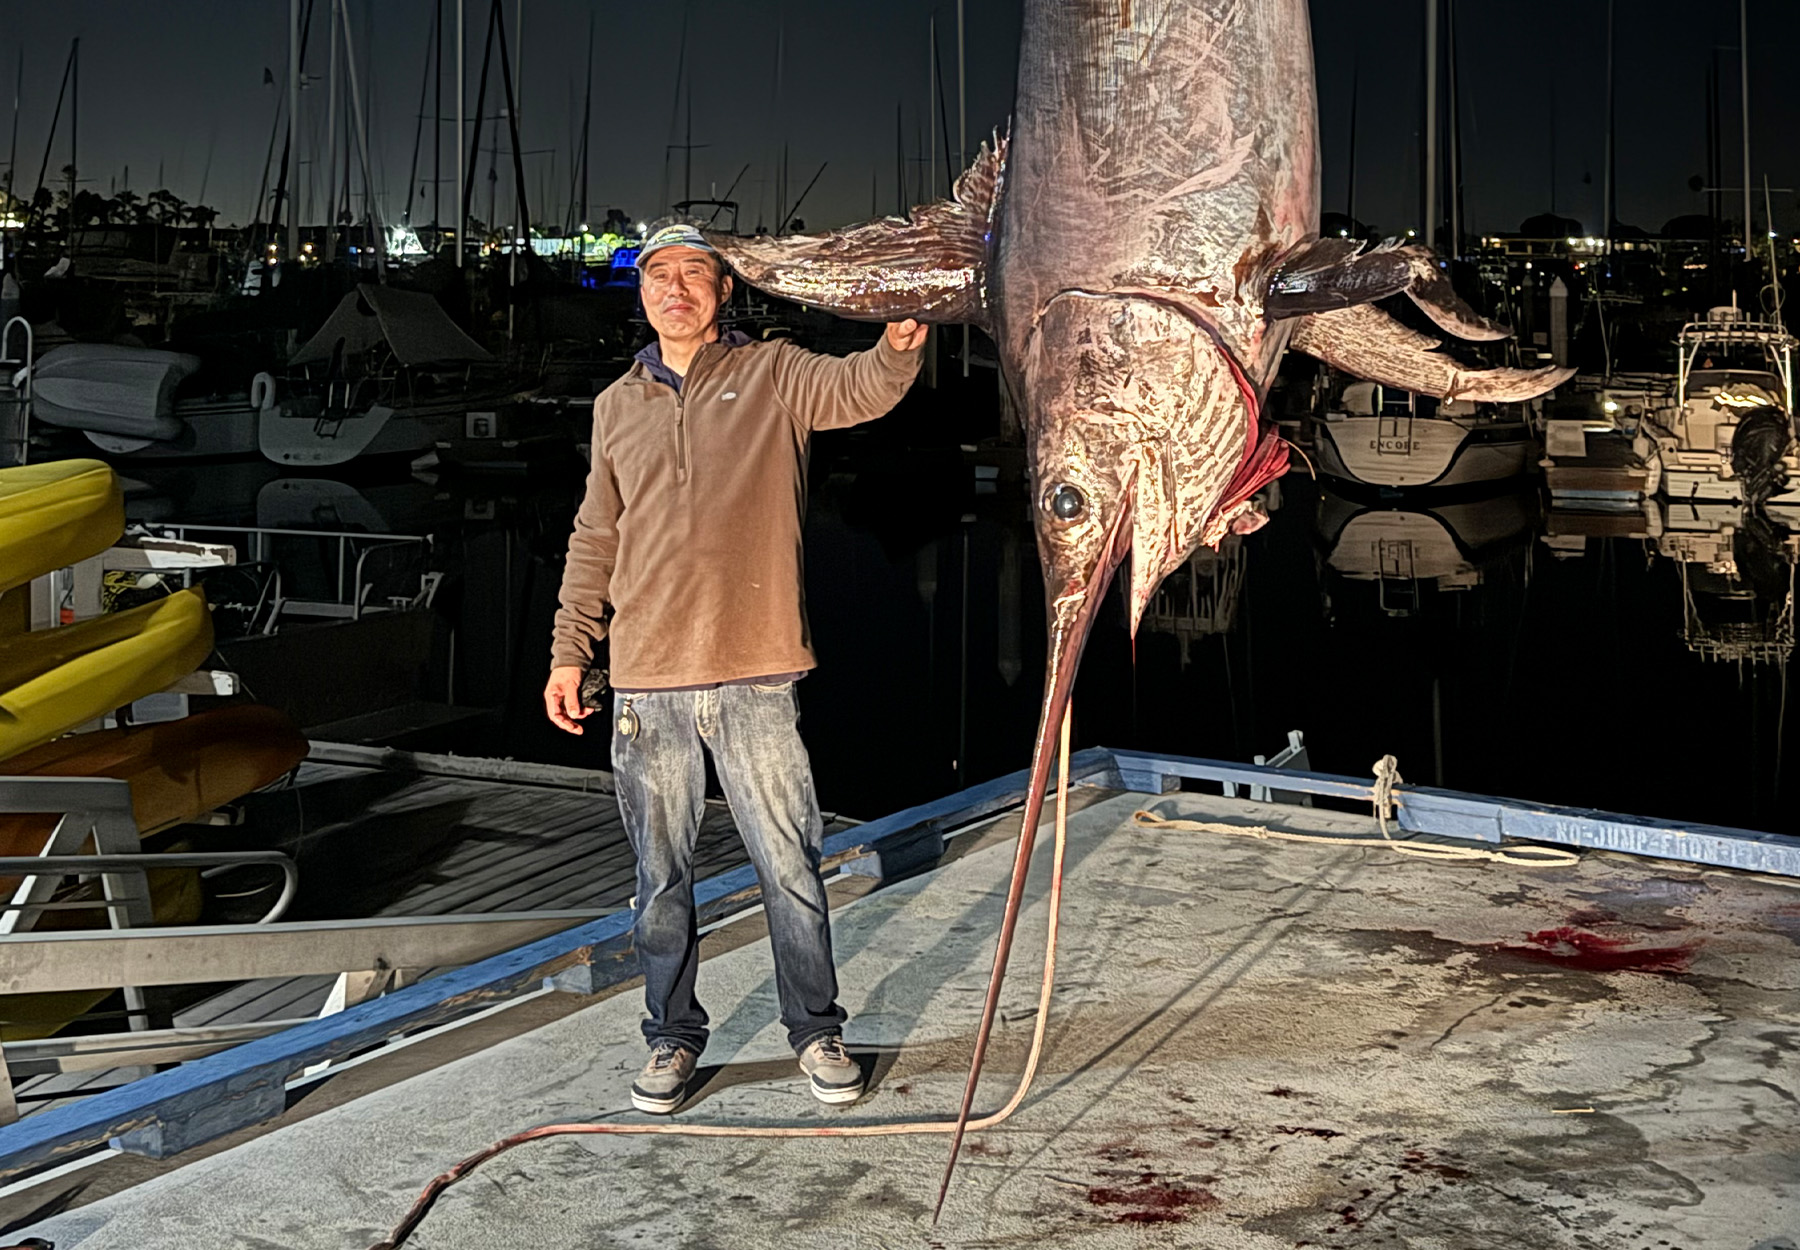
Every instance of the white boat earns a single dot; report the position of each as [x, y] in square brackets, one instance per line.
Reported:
[1735, 390]
[1598, 452]
[1397, 441]
[388, 373]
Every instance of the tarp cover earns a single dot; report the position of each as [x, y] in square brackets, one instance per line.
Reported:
[111, 388]
[413, 325]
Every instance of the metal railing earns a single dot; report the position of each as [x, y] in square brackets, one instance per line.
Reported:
[15, 402]
[351, 585]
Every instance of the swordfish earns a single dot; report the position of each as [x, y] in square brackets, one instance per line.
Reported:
[1143, 248]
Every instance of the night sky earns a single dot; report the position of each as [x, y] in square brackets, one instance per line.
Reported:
[177, 85]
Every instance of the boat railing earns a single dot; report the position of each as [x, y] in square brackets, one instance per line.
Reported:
[1772, 337]
[356, 557]
[1736, 331]
[15, 401]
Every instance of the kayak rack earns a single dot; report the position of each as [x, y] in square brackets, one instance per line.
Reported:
[94, 811]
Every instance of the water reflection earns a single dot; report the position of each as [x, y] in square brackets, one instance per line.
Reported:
[1494, 645]
[1406, 553]
[1736, 569]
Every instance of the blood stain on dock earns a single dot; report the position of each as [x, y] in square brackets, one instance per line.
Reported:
[1152, 1200]
[1571, 947]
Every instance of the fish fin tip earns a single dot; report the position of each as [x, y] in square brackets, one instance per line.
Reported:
[1327, 275]
[1367, 342]
[940, 249]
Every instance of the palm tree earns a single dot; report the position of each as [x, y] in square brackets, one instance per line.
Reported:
[168, 208]
[123, 206]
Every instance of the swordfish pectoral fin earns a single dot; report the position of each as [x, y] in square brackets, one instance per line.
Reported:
[1326, 275]
[930, 266]
[1370, 344]
[1430, 289]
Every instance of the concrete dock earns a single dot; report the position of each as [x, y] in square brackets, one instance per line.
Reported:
[1254, 1044]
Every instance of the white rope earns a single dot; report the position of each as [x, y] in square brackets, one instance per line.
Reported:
[1520, 856]
[1387, 776]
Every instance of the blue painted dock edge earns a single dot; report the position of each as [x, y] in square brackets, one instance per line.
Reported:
[207, 1098]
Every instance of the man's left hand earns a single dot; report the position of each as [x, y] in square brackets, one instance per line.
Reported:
[906, 336]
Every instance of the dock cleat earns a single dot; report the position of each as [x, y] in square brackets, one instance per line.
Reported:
[836, 1077]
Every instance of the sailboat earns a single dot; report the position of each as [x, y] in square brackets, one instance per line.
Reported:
[1370, 435]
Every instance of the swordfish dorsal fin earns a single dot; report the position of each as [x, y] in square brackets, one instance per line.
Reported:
[1367, 342]
[930, 265]
[1324, 275]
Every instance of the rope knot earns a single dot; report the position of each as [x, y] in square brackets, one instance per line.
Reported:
[1387, 776]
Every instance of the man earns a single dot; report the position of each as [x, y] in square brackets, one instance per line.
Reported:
[689, 534]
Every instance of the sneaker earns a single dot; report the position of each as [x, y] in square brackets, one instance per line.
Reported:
[662, 1084]
[836, 1077]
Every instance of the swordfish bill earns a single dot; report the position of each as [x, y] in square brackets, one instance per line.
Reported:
[1143, 247]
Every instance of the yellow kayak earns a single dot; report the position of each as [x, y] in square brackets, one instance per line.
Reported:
[52, 680]
[54, 514]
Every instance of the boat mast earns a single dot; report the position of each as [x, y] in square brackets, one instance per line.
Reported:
[1355, 92]
[412, 176]
[74, 128]
[1606, 198]
[1453, 119]
[331, 108]
[587, 126]
[293, 142]
[899, 161]
[1744, 88]
[12, 162]
[462, 77]
[962, 139]
[362, 144]
[56, 116]
[1429, 226]
[437, 123]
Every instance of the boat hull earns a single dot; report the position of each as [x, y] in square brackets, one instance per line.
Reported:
[1422, 453]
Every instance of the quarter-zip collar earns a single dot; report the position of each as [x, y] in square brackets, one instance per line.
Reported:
[651, 358]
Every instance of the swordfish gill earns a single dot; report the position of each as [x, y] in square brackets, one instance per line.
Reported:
[1143, 247]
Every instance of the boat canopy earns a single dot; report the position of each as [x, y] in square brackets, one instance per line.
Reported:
[413, 325]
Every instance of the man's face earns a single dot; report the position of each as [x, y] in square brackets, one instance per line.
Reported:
[682, 291]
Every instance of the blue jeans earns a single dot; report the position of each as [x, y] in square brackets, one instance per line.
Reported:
[753, 735]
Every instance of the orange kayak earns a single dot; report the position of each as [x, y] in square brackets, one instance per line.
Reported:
[178, 770]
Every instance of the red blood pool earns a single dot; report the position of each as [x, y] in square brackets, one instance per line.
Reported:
[1151, 1201]
[1569, 947]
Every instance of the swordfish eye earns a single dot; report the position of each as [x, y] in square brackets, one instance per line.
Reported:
[1066, 502]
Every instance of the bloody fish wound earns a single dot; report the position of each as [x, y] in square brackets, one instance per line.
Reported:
[1143, 250]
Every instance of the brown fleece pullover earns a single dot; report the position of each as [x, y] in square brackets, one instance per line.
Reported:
[690, 529]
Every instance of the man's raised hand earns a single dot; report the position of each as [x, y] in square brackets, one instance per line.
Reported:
[906, 336]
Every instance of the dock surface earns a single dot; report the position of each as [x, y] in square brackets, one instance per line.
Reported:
[1254, 1044]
